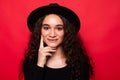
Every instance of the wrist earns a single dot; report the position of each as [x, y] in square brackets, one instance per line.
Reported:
[40, 64]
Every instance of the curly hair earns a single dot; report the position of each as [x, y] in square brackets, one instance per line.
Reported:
[77, 59]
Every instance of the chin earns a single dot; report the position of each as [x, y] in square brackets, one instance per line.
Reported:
[51, 45]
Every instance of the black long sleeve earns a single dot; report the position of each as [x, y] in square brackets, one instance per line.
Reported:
[38, 73]
[32, 72]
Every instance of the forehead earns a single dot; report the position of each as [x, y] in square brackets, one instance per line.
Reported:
[52, 19]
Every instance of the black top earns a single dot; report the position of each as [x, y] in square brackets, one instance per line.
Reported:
[38, 73]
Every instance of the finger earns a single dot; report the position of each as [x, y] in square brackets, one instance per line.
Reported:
[49, 48]
[50, 51]
[41, 42]
[44, 50]
[48, 54]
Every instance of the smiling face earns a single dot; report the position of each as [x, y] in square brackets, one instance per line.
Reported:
[52, 30]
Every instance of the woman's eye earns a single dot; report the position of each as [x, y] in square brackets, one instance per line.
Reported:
[59, 28]
[45, 28]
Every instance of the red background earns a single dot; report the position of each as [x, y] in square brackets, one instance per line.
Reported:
[100, 31]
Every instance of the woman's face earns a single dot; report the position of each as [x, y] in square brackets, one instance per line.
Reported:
[52, 30]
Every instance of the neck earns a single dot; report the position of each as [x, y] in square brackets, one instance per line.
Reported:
[58, 54]
[58, 59]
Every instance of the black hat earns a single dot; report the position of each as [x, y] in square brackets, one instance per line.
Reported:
[53, 8]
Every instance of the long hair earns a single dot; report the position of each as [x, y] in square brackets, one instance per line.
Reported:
[77, 59]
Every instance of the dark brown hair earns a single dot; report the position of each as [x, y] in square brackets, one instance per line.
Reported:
[77, 59]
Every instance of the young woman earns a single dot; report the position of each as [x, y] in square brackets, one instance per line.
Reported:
[55, 51]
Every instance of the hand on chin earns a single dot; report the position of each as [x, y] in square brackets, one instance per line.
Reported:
[52, 45]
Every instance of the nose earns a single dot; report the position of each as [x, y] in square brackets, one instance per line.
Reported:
[52, 33]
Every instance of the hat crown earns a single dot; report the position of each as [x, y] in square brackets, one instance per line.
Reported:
[53, 4]
[53, 8]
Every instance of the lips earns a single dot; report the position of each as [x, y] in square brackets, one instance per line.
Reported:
[52, 40]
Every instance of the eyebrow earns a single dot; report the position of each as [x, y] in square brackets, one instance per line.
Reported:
[49, 25]
[59, 25]
[45, 25]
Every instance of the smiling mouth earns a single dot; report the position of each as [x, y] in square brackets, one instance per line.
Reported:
[52, 40]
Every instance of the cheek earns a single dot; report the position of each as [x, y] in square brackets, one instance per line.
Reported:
[44, 33]
[61, 34]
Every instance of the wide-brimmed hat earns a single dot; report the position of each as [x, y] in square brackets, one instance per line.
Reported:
[53, 8]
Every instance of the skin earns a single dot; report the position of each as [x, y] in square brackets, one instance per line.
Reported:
[52, 34]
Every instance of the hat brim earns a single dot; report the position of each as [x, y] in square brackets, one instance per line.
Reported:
[52, 9]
